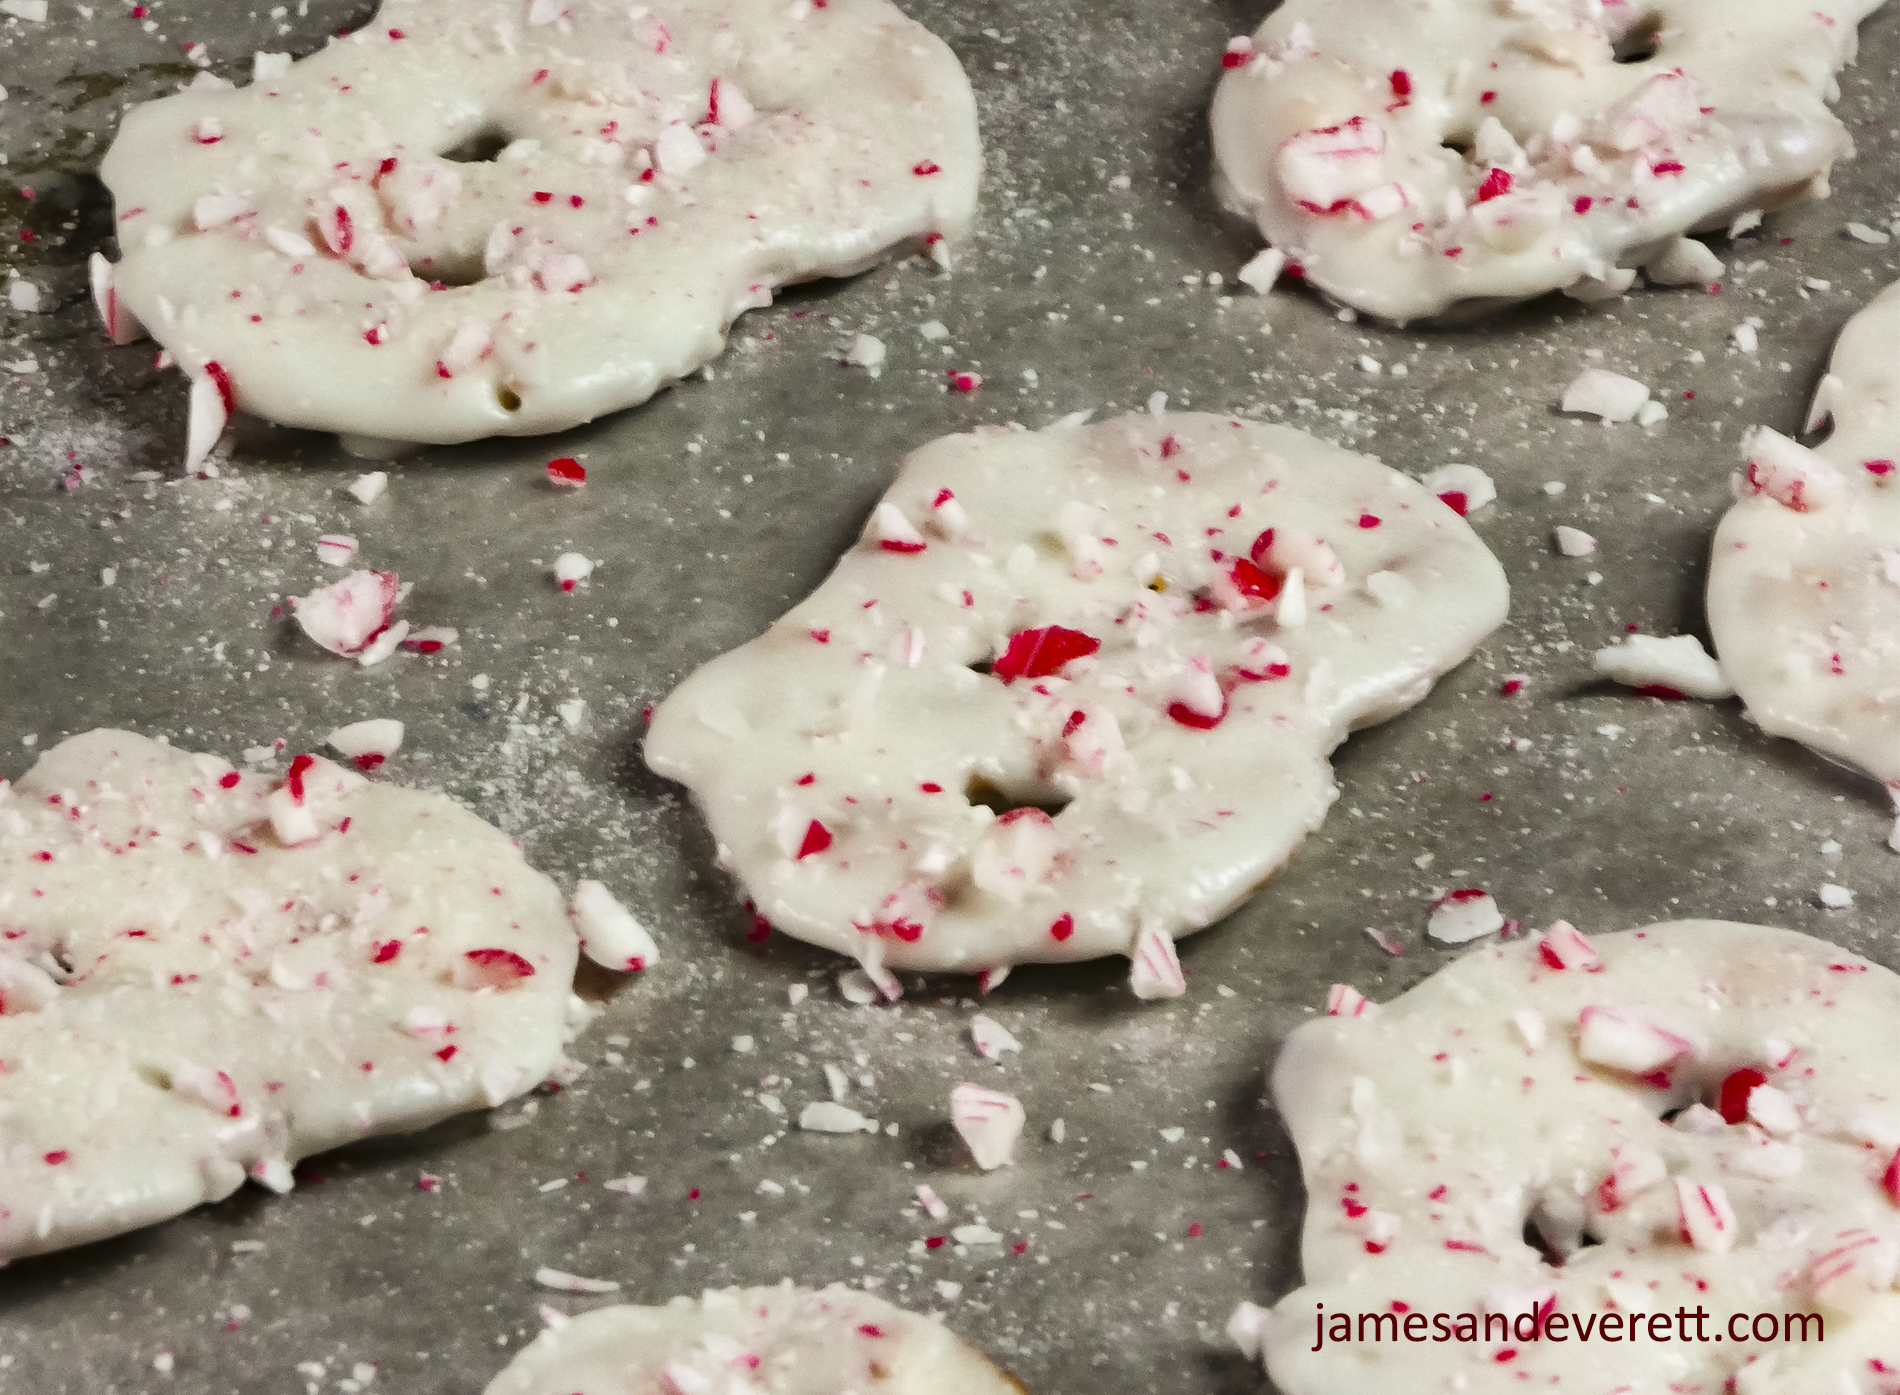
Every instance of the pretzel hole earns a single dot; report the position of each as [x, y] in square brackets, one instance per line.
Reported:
[1460, 143]
[507, 398]
[440, 271]
[1640, 41]
[481, 148]
[999, 801]
[1550, 1246]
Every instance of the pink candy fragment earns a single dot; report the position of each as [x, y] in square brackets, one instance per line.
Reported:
[1155, 968]
[989, 1121]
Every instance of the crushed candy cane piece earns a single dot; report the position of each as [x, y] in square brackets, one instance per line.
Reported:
[571, 569]
[989, 1121]
[828, 1116]
[367, 489]
[1628, 1041]
[991, 1037]
[610, 934]
[1155, 968]
[369, 743]
[1678, 663]
[1574, 542]
[1463, 915]
[346, 615]
[1598, 392]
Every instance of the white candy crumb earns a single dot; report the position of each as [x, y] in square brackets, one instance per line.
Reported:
[1835, 896]
[1371, 365]
[1597, 392]
[33, 10]
[626, 1186]
[934, 1206]
[1744, 223]
[367, 489]
[610, 935]
[1860, 232]
[1574, 542]
[991, 1037]
[796, 993]
[573, 1283]
[1679, 662]
[856, 987]
[368, 743]
[572, 713]
[1651, 413]
[949, 1290]
[989, 1121]
[828, 1116]
[23, 295]
[933, 330]
[1247, 1329]
[163, 1363]
[1058, 1131]
[1263, 270]
[744, 1045]
[1745, 338]
[1460, 916]
[866, 351]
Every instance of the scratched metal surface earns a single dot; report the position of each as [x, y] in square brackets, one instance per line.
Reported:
[713, 508]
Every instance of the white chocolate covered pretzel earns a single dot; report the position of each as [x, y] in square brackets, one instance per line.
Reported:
[1804, 581]
[1416, 156]
[1699, 1116]
[206, 975]
[335, 243]
[786, 1340]
[1073, 691]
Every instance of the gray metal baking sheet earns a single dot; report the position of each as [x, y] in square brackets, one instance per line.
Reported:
[717, 505]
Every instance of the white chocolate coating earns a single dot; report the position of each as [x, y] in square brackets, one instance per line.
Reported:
[289, 231]
[1804, 599]
[1431, 1131]
[1580, 168]
[1188, 753]
[188, 1001]
[738, 1341]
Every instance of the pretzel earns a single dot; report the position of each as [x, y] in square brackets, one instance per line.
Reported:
[1804, 582]
[1559, 1134]
[206, 975]
[1416, 158]
[506, 217]
[1073, 691]
[791, 1341]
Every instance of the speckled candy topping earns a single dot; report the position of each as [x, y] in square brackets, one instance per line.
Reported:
[1697, 1115]
[206, 975]
[786, 1340]
[1157, 628]
[1418, 155]
[661, 170]
[1804, 582]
